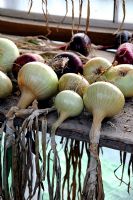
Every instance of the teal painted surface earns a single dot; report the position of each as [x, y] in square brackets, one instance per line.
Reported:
[110, 160]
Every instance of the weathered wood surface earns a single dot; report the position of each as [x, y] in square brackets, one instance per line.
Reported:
[116, 132]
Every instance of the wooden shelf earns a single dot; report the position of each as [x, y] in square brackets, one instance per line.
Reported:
[23, 27]
[116, 132]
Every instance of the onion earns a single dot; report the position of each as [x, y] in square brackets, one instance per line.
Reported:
[8, 53]
[36, 80]
[95, 68]
[80, 42]
[73, 63]
[122, 37]
[124, 54]
[5, 85]
[23, 59]
[68, 104]
[102, 99]
[75, 82]
[121, 76]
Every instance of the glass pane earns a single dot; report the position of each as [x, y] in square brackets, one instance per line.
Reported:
[98, 9]
[129, 11]
[102, 9]
[19, 5]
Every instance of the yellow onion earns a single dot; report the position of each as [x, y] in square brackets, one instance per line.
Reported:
[94, 68]
[8, 53]
[5, 85]
[68, 104]
[121, 76]
[102, 99]
[36, 80]
[72, 81]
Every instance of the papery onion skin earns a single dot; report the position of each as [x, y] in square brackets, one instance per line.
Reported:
[72, 81]
[36, 80]
[121, 76]
[74, 64]
[8, 53]
[80, 42]
[103, 98]
[124, 54]
[5, 85]
[95, 67]
[22, 60]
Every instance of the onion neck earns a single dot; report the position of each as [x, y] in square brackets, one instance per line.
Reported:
[94, 134]
[27, 97]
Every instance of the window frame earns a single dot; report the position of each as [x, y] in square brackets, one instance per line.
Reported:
[100, 31]
[68, 20]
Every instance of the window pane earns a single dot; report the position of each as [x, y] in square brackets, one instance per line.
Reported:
[19, 5]
[102, 9]
[129, 12]
[98, 9]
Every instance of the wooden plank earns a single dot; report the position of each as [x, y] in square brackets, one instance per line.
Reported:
[116, 132]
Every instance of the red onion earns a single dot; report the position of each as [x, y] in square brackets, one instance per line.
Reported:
[122, 37]
[80, 42]
[23, 59]
[72, 65]
[124, 54]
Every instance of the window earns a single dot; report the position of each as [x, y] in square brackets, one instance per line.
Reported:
[105, 13]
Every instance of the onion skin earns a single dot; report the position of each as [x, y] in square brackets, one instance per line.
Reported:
[36, 80]
[94, 69]
[74, 64]
[80, 42]
[124, 54]
[5, 85]
[75, 82]
[121, 76]
[23, 59]
[8, 53]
